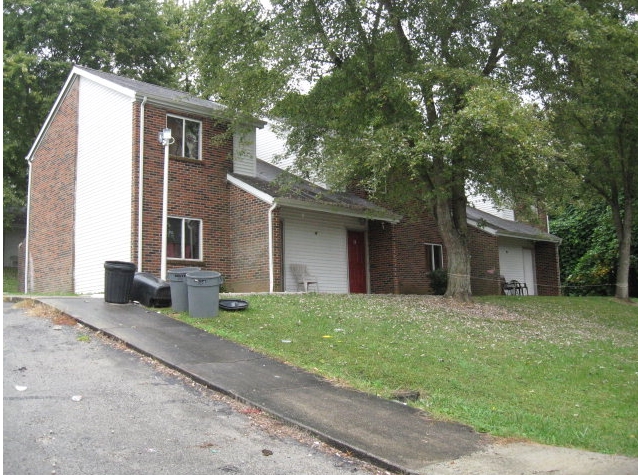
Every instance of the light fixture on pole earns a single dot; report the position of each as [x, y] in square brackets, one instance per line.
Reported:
[166, 140]
[165, 137]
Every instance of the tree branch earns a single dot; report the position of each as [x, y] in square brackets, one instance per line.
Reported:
[336, 59]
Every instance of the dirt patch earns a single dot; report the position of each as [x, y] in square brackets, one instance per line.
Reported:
[37, 309]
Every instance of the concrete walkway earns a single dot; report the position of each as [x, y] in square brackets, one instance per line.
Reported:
[389, 434]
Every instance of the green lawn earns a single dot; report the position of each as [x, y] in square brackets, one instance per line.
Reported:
[560, 371]
[10, 280]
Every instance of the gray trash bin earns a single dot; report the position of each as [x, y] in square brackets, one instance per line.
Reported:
[203, 293]
[179, 288]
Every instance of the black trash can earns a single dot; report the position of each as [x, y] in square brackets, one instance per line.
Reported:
[118, 281]
[179, 288]
[150, 291]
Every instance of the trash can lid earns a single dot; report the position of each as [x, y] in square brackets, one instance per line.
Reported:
[178, 274]
[120, 265]
[204, 278]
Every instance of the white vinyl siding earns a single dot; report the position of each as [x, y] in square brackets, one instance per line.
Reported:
[103, 184]
[517, 262]
[244, 152]
[486, 205]
[318, 240]
[272, 149]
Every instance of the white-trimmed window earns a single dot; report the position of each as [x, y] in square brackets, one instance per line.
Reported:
[434, 255]
[184, 239]
[187, 134]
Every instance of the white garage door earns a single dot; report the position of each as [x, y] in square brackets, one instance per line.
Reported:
[318, 240]
[517, 262]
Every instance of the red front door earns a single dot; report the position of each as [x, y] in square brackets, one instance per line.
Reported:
[357, 262]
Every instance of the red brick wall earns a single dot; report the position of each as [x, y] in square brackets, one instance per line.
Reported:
[381, 252]
[249, 243]
[485, 267]
[547, 268]
[52, 202]
[399, 261]
[197, 189]
[278, 251]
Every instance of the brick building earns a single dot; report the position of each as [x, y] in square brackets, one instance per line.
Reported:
[96, 194]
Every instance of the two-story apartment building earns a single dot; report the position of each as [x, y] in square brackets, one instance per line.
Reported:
[97, 194]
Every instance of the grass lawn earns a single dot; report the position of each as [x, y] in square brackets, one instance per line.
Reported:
[10, 280]
[561, 371]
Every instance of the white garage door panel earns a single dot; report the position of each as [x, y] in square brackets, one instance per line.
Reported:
[318, 240]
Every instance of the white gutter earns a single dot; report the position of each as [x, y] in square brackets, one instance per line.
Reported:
[140, 190]
[271, 257]
[26, 239]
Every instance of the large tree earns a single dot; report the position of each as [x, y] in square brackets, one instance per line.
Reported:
[43, 39]
[410, 99]
[585, 65]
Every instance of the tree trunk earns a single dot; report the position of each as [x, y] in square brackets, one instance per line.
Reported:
[452, 224]
[623, 226]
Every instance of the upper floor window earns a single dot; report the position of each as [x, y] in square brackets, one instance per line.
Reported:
[184, 238]
[188, 137]
[434, 256]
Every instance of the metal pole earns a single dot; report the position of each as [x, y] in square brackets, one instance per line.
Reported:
[165, 211]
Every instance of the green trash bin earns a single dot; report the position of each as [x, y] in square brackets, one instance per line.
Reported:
[203, 293]
[118, 281]
[179, 289]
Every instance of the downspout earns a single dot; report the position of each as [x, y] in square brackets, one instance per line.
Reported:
[140, 190]
[271, 257]
[26, 239]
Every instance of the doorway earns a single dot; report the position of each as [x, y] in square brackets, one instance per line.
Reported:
[357, 262]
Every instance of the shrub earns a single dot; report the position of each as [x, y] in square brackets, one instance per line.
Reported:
[438, 281]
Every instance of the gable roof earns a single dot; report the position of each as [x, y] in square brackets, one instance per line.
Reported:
[276, 186]
[505, 228]
[136, 90]
[155, 94]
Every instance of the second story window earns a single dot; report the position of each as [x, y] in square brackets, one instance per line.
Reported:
[188, 137]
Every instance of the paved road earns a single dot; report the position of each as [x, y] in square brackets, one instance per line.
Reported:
[75, 403]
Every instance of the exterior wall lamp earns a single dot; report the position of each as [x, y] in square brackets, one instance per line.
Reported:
[165, 137]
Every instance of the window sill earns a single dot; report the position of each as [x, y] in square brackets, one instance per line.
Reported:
[190, 261]
[186, 159]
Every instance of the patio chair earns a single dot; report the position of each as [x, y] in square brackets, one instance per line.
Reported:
[509, 288]
[303, 278]
[514, 287]
[521, 287]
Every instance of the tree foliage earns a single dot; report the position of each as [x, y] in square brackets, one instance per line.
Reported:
[413, 99]
[589, 249]
[43, 39]
[585, 68]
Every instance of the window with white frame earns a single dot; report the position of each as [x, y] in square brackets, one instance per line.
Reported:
[434, 256]
[187, 134]
[184, 238]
